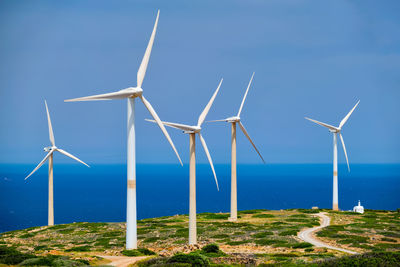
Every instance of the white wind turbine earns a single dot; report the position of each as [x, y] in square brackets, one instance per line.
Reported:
[192, 130]
[51, 149]
[336, 131]
[236, 120]
[130, 94]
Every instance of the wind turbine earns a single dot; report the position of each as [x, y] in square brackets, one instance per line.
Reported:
[51, 149]
[192, 130]
[335, 131]
[130, 94]
[236, 120]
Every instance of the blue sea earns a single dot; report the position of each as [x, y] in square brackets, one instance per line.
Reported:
[99, 193]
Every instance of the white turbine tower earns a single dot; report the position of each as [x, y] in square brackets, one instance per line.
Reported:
[51, 149]
[130, 94]
[192, 130]
[336, 131]
[236, 120]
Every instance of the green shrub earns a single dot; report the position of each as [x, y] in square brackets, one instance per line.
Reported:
[137, 252]
[214, 216]
[211, 248]
[297, 220]
[266, 242]
[11, 256]
[112, 234]
[79, 249]
[59, 226]
[387, 246]
[262, 234]
[150, 239]
[219, 236]
[288, 232]
[66, 231]
[27, 235]
[37, 262]
[248, 211]
[236, 243]
[184, 232]
[195, 259]
[299, 216]
[302, 245]
[279, 223]
[43, 247]
[308, 211]
[391, 234]
[309, 249]
[366, 259]
[291, 255]
[263, 216]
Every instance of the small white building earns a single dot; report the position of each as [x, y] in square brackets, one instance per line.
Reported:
[358, 208]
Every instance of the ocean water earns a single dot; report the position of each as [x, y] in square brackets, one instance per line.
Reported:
[99, 193]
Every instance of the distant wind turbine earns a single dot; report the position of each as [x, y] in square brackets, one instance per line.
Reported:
[130, 94]
[336, 131]
[192, 130]
[236, 120]
[51, 149]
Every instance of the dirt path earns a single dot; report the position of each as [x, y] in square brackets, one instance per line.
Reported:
[122, 261]
[307, 236]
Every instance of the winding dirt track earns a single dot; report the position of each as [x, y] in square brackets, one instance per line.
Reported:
[307, 236]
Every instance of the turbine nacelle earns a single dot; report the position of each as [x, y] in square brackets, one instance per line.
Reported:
[233, 119]
[49, 148]
[195, 129]
[136, 91]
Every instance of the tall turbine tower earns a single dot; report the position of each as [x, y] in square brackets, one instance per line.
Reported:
[192, 130]
[51, 149]
[130, 94]
[233, 121]
[336, 131]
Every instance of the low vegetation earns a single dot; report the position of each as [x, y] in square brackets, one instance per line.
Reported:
[259, 237]
[373, 231]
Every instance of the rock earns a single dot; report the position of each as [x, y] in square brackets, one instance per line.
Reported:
[164, 253]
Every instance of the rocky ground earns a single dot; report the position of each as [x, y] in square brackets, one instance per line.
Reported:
[259, 236]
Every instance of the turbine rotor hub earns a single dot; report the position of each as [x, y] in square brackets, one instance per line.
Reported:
[196, 129]
[136, 91]
[233, 119]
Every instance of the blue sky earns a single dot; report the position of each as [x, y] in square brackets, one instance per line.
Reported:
[311, 58]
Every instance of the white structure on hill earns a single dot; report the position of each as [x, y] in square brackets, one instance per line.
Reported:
[358, 208]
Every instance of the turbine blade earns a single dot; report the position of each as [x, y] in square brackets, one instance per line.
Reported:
[323, 124]
[71, 156]
[160, 124]
[51, 134]
[345, 152]
[109, 96]
[348, 115]
[40, 164]
[248, 137]
[216, 120]
[145, 61]
[203, 142]
[245, 95]
[203, 115]
[174, 125]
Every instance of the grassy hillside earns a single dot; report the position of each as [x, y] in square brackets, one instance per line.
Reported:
[259, 236]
